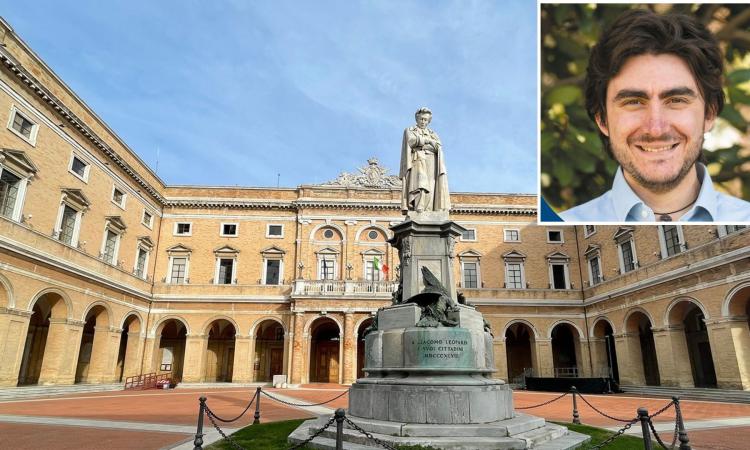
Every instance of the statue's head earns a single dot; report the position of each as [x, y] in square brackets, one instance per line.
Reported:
[423, 117]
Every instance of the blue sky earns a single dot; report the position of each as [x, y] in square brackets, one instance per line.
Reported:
[234, 92]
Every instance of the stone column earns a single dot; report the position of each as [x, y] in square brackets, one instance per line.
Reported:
[61, 352]
[583, 358]
[104, 355]
[349, 346]
[133, 355]
[14, 325]
[194, 368]
[543, 349]
[150, 350]
[598, 356]
[242, 371]
[628, 348]
[298, 349]
[730, 349]
[672, 356]
[501, 359]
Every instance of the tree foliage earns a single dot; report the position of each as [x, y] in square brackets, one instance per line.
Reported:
[575, 168]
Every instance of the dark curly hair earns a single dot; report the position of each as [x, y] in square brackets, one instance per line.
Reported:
[638, 32]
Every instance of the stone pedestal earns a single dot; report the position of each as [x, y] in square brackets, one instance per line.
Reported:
[432, 385]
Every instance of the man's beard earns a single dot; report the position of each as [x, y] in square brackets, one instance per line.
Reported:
[661, 186]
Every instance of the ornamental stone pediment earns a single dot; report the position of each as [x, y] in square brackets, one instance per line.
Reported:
[514, 254]
[592, 248]
[18, 161]
[226, 250]
[179, 248]
[373, 175]
[272, 250]
[558, 255]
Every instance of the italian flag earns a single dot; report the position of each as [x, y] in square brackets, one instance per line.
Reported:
[376, 266]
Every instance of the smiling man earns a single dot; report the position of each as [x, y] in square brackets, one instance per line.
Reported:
[654, 87]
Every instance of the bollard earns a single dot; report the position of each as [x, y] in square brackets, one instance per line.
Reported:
[681, 433]
[576, 417]
[256, 418]
[340, 414]
[643, 416]
[198, 442]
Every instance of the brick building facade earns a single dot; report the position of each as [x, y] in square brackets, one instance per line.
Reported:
[107, 272]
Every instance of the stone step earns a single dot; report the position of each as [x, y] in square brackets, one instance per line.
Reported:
[540, 435]
[720, 395]
[27, 392]
[548, 437]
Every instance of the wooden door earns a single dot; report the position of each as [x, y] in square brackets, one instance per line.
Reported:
[277, 361]
[326, 368]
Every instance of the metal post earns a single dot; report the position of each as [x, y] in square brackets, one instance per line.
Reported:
[681, 433]
[340, 414]
[256, 418]
[198, 442]
[643, 416]
[576, 417]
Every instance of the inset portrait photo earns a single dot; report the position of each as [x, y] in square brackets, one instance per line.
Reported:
[644, 113]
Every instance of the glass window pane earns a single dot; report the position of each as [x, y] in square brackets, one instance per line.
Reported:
[178, 270]
[9, 185]
[225, 271]
[558, 276]
[78, 167]
[470, 275]
[67, 225]
[273, 268]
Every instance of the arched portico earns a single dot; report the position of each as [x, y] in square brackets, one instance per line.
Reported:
[520, 342]
[95, 364]
[566, 349]
[268, 355]
[220, 351]
[686, 322]
[363, 325]
[169, 354]
[603, 349]
[50, 311]
[130, 347]
[637, 349]
[325, 351]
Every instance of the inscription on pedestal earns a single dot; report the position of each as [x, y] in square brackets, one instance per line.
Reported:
[438, 347]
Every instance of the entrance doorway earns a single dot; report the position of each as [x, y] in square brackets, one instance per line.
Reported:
[518, 344]
[268, 358]
[324, 352]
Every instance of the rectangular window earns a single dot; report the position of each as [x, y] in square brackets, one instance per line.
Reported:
[273, 271]
[588, 230]
[558, 276]
[110, 247]
[229, 229]
[512, 236]
[118, 197]
[22, 125]
[628, 261]
[469, 235]
[179, 266]
[68, 225]
[148, 219]
[554, 236]
[371, 273]
[327, 269]
[140, 263]
[183, 229]
[9, 187]
[735, 228]
[79, 168]
[672, 240]
[471, 280]
[275, 231]
[226, 269]
[514, 276]
[596, 275]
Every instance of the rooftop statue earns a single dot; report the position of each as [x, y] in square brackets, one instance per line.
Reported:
[423, 174]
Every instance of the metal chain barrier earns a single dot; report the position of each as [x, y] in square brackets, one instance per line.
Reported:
[303, 404]
[619, 433]
[368, 435]
[221, 432]
[314, 435]
[668, 405]
[617, 419]
[545, 403]
[658, 438]
[241, 414]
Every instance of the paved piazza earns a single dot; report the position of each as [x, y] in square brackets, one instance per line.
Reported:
[166, 419]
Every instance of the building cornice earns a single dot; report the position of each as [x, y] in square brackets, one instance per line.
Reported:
[46, 96]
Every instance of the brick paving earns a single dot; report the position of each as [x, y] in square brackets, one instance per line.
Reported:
[179, 407]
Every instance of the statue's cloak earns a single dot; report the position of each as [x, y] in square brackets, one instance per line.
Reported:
[441, 200]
